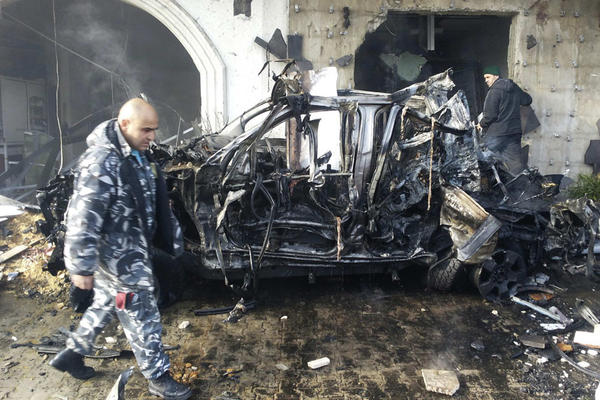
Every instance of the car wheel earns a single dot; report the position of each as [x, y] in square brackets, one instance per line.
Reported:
[497, 278]
[446, 274]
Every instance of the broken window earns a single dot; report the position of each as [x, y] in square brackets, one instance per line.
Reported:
[408, 48]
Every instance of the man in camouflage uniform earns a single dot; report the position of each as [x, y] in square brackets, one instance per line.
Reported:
[118, 204]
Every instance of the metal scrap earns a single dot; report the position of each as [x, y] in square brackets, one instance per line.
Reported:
[118, 390]
[555, 315]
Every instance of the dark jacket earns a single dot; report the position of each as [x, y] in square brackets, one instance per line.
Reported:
[115, 211]
[502, 108]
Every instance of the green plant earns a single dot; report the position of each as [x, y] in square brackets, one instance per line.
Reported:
[586, 186]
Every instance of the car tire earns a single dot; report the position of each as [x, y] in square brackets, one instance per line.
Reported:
[446, 274]
[498, 277]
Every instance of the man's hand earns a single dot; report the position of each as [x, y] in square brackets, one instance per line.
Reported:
[85, 282]
[478, 127]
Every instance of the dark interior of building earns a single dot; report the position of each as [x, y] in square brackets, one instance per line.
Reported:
[106, 51]
[396, 54]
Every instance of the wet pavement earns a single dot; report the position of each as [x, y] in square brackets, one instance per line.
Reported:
[377, 334]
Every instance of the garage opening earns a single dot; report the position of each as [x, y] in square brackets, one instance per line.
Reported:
[105, 53]
[409, 48]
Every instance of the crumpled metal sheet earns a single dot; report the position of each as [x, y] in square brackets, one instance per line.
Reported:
[464, 216]
[574, 226]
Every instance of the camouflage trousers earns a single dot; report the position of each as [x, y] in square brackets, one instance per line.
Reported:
[140, 320]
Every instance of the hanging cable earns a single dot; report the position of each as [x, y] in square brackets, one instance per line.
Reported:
[402, 130]
[112, 97]
[60, 134]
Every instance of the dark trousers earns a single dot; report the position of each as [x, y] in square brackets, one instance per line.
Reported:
[507, 149]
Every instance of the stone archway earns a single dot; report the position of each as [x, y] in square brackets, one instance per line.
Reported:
[203, 53]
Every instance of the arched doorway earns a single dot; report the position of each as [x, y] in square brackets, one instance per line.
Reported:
[106, 52]
[200, 48]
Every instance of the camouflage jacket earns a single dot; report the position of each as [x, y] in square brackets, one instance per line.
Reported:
[112, 215]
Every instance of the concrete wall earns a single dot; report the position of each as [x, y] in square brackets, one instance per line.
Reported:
[559, 145]
[233, 36]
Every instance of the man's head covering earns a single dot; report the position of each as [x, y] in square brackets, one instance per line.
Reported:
[492, 70]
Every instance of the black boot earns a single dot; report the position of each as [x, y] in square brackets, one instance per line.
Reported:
[72, 362]
[168, 388]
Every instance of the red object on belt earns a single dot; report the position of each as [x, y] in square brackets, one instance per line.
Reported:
[122, 298]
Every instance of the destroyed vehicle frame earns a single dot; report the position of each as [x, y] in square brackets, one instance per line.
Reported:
[266, 205]
[361, 182]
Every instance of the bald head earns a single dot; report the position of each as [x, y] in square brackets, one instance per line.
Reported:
[138, 121]
[135, 108]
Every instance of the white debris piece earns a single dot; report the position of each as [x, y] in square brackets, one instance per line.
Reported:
[552, 326]
[118, 390]
[318, 363]
[110, 340]
[495, 312]
[440, 381]
[541, 360]
[7, 211]
[583, 364]
[588, 339]
[184, 324]
[283, 318]
[281, 367]
[542, 278]
[592, 352]
[11, 276]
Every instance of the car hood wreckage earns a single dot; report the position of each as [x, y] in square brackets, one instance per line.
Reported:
[361, 182]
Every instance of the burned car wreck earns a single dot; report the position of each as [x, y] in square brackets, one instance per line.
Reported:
[361, 182]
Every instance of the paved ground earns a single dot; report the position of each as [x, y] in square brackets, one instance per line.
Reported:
[378, 335]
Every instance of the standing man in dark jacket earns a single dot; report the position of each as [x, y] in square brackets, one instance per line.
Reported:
[502, 118]
[119, 204]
